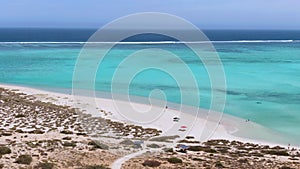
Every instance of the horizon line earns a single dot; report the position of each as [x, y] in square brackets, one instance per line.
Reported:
[95, 28]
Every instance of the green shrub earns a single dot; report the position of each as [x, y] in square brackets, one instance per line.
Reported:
[69, 144]
[174, 160]
[242, 160]
[67, 138]
[98, 145]
[164, 138]
[189, 137]
[33, 144]
[81, 134]
[45, 165]
[127, 142]
[153, 146]
[257, 154]
[200, 148]
[198, 159]
[223, 150]
[151, 163]
[276, 152]
[285, 167]
[218, 164]
[37, 131]
[24, 159]
[278, 148]
[168, 150]
[6, 134]
[19, 115]
[209, 150]
[66, 132]
[188, 141]
[19, 131]
[4, 150]
[96, 167]
[195, 148]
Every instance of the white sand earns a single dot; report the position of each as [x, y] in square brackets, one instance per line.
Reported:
[230, 128]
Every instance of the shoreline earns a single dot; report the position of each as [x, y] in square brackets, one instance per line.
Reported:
[230, 127]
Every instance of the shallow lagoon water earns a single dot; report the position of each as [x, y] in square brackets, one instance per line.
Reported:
[263, 82]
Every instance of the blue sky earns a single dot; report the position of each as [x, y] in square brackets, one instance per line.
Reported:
[206, 14]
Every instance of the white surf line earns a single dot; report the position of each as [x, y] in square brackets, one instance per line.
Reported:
[154, 42]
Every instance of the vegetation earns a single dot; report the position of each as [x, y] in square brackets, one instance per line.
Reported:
[37, 131]
[4, 150]
[6, 134]
[45, 165]
[164, 138]
[189, 137]
[168, 150]
[69, 144]
[243, 160]
[188, 141]
[33, 144]
[127, 142]
[19, 131]
[276, 152]
[24, 159]
[218, 164]
[153, 146]
[200, 148]
[285, 167]
[19, 115]
[174, 160]
[66, 132]
[98, 145]
[151, 163]
[81, 134]
[67, 138]
[95, 167]
[198, 159]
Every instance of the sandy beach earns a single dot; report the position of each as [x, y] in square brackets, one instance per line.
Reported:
[229, 127]
[56, 129]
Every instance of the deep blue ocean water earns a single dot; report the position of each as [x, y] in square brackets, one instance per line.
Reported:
[261, 67]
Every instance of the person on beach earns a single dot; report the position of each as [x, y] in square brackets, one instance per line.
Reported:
[166, 108]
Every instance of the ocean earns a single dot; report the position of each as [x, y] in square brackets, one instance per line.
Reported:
[261, 68]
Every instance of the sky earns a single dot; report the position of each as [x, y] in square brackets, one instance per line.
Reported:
[206, 14]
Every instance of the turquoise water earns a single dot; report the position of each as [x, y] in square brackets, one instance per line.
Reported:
[263, 79]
